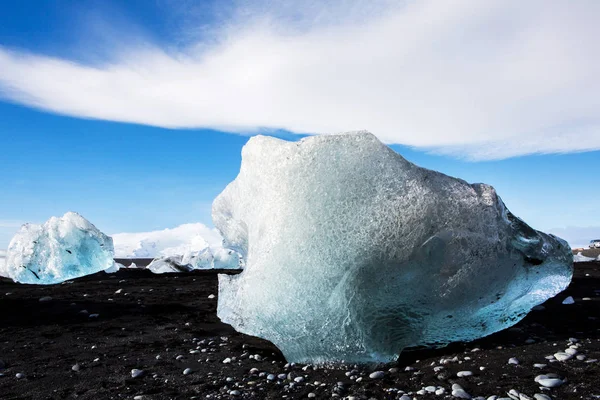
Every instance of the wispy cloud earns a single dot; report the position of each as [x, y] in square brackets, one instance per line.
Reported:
[482, 80]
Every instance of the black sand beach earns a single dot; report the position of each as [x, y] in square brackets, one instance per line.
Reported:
[153, 319]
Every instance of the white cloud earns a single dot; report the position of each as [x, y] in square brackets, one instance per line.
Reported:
[165, 242]
[479, 79]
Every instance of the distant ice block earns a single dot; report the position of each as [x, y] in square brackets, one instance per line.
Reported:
[208, 258]
[60, 249]
[353, 253]
[581, 258]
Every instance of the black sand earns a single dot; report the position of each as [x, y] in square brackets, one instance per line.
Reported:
[159, 315]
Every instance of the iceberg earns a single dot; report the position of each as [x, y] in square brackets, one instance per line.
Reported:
[581, 258]
[352, 253]
[207, 258]
[60, 249]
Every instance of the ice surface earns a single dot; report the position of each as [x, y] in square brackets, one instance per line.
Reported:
[60, 249]
[353, 253]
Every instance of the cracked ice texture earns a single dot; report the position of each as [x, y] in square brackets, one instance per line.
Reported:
[353, 253]
[60, 249]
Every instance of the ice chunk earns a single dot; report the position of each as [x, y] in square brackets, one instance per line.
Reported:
[353, 253]
[581, 258]
[60, 249]
[208, 258]
[163, 265]
[114, 268]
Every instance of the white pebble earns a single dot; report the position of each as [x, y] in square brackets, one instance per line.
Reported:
[513, 361]
[569, 300]
[377, 375]
[136, 373]
[462, 374]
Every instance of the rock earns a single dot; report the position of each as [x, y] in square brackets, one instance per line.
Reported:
[549, 382]
[462, 374]
[137, 373]
[365, 235]
[513, 394]
[311, 395]
[211, 296]
[271, 377]
[571, 351]
[227, 360]
[187, 371]
[562, 356]
[377, 375]
[235, 393]
[20, 375]
[76, 368]
[60, 249]
[569, 300]
[513, 361]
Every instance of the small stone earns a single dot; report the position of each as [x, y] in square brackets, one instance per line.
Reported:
[548, 381]
[271, 377]
[136, 373]
[562, 356]
[430, 389]
[580, 357]
[20, 375]
[541, 396]
[227, 360]
[119, 291]
[523, 396]
[377, 375]
[569, 300]
[513, 394]
[513, 361]
[187, 371]
[179, 357]
[235, 393]
[311, 395]
[571, 351]
[211, 296]
[462, 374]
[76, 368]
[440, 391]
[45, 299]
[299, 379]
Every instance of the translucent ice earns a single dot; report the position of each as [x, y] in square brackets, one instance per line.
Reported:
[207, 258]
[353, 253]
[60, 249]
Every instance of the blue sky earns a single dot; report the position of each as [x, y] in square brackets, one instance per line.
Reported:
[134, 113]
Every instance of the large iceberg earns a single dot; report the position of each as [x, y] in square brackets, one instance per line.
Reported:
[353, 253]
[60, 249]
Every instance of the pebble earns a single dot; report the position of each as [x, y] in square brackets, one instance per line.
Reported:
[311, 395]
[548, 381]
[187, 371]
[299, 379]
[377, 375]
[440, 391]
[539, 365]
[513, 394]
[227, 360]
[119, 291]
[20, 375]
[235, 393]
[405, 397]
[569, 300]
[136, 373]
[211, 296]
[45, 299]
[540, 396]
[458, 391]
[513, 361]
[562, 356]
[271, 377]
[430, 389]
[76, 367]
[462, 374]
[571, 351]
